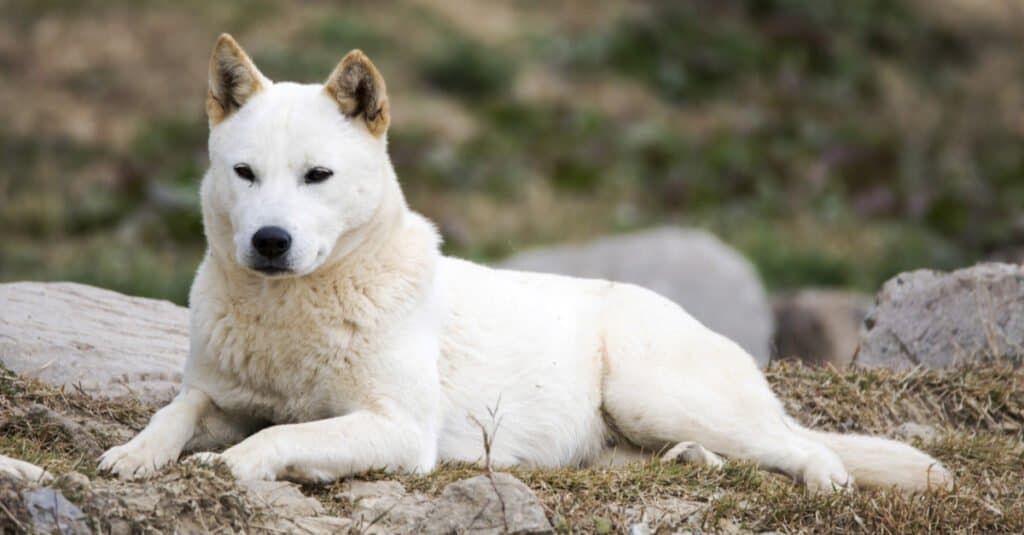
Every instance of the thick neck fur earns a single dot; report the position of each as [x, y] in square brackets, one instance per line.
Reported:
[375, 273]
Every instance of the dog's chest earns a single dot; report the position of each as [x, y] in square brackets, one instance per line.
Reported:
[285, 366]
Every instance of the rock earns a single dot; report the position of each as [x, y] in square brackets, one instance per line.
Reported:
[107, 343]
[668, 514]
[74, 485]
[819, 327]
[360, 490]
[498, 503]
[937, 320]
[913, 430]
[52, 513]
[477, 505]
[640, 528]
[289, 511]
[283, 497]
[385, 507]
[313, 525]
[75, 482]
[711, 280]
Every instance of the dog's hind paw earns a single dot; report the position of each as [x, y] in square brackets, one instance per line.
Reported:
[692, 453]
[827, 475]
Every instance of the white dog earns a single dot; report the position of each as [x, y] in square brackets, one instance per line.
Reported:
[330, 336]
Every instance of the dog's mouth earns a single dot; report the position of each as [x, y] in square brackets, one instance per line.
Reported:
[271, 269]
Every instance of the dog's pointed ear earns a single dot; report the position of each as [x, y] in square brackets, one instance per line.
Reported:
[359, 90]
[234, 79]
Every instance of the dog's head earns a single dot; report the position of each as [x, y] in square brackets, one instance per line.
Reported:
[296, 171]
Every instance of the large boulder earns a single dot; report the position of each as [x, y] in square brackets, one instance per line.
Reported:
[104, 342]
[711, 280]
[819, 327]
[937, 320]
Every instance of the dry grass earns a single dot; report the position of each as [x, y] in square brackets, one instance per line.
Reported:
[59, 429]
[978, 413]
[973, 399]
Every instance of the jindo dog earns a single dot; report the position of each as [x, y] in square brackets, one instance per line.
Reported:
[329, 336]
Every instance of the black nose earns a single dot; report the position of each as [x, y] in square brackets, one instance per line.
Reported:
[271, 242]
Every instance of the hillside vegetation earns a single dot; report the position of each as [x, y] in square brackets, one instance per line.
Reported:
[834, 142]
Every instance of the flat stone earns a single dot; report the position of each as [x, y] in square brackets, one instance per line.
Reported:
[106, 343]
[475, 505]
[498, 503]
[284, 498]
[357, 489]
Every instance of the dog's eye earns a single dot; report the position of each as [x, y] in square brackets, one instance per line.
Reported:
[318, 174]
[244, 172]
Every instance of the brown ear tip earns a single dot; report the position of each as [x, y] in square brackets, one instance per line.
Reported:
[226, 40]
[356, 55]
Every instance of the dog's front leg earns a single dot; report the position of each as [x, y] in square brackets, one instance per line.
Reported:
[191, 416]
[326, 450]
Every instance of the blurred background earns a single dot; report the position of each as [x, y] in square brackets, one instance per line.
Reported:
[833, 142]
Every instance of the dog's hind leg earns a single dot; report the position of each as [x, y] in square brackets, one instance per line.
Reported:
[694, 420]
[667, 379]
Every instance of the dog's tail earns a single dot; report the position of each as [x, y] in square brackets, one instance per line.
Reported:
[882, 463]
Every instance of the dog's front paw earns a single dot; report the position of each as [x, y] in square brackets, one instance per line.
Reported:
[244, 461]
[138, 459]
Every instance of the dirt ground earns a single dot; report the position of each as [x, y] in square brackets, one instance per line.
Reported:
[971, 419]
